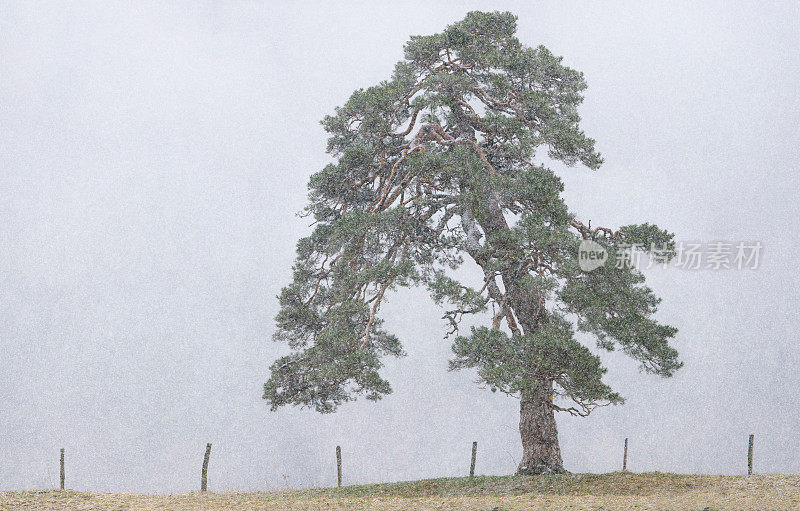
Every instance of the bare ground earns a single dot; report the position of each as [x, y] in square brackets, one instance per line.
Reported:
[614, 491]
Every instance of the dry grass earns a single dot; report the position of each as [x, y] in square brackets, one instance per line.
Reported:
[576, 491]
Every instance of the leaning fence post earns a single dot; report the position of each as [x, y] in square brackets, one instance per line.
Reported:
[62, 468]
[339, 465]
[204, 475]
[750, 455]
[472, 465]
[625, 457]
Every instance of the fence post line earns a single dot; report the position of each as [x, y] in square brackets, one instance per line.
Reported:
[474, 453]
[339, 465]
[625, 457]
[204, 474]
[750, 455]
[62, 468]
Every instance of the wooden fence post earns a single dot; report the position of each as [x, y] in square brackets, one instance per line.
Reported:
[62, 468]
[204, 475]
[472, 465]
[625, 457]
[339, 465]
[750, 456]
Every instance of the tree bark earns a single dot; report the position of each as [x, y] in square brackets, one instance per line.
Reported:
[537, 427]
[537, 423]
[541, 453]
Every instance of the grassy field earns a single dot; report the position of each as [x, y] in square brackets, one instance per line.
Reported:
[614, 491]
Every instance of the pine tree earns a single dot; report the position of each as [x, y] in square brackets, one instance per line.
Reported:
[443, 162]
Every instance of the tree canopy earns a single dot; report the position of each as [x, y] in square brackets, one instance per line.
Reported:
[448, 160]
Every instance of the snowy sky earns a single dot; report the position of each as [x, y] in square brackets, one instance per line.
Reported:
[152, 160]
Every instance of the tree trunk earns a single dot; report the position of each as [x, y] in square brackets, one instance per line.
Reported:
[537, 423]
[537, 427]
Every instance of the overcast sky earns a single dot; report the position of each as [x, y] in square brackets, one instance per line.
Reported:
[152, 161]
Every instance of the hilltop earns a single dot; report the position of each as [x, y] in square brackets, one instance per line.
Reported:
[614, 491]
